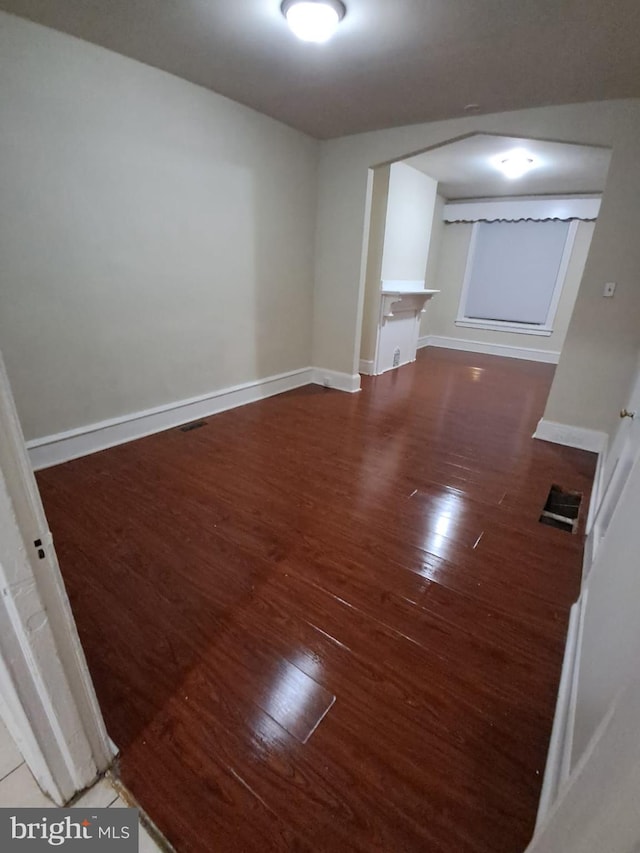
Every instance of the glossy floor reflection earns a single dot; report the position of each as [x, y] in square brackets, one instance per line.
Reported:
[328, 621]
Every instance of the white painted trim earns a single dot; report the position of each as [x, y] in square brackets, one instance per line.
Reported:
[505, 350]
[71, 444]
[597, 488]
[15, 717]
[574, 816]
[473, 242]
[512, 210]
[562, 272]
[555, 755]
[504, 326]
[597, 493]
[48, 701]
[366, 367]
[567, 746]
[618, 467]
[571, 436]
[335, 379]
[558, 766]
[401, 285]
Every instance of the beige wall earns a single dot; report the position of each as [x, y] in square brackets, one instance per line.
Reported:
[598, 360]
[449, 278]
[157, 240]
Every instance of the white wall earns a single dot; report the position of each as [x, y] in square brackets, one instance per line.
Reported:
[401, 238]
[373, 273]
[598, 359]
[410, 207]
[157, 240]
[611, 640]
[598, 808]
[449, 278]
[431, 277]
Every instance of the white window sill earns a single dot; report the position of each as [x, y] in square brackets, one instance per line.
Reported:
[501, 326]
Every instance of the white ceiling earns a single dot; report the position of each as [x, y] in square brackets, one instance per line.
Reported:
[392, 62]
[464, 169]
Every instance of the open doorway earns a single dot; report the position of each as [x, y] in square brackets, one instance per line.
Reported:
[479, 245]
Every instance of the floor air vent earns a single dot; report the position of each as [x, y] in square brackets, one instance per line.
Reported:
[194, 425]
[562, 509]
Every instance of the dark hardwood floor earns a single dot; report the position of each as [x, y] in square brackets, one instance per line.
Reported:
[331, 622]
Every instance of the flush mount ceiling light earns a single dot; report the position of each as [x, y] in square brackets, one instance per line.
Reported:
[313, 20]
[515, 164]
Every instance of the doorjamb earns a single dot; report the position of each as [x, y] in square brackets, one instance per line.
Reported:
[47, 697]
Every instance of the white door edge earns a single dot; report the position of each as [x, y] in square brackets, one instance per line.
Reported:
[49, 703]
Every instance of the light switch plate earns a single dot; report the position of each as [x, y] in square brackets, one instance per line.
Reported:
[609, 289]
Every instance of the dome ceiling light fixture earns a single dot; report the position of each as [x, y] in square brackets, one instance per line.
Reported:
[515, 164]
[313, 20]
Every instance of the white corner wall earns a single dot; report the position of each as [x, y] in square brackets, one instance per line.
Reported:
[373, 271]
[410, 207]
[157, 240]
[431, 277]
[598, 358]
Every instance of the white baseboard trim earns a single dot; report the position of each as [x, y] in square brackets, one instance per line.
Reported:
[366, 367]
[567, 752]
[558, 766]
[598, 486]
[571, 436]
[527, 353]
[71, 444]
[597, 493]
[334, 379]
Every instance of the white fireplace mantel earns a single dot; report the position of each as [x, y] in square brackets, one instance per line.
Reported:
[403, 301]
[402, 304]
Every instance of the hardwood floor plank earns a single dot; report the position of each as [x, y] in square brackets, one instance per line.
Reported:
[329, 621]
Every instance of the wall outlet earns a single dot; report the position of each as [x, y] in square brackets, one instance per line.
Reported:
[609, 289]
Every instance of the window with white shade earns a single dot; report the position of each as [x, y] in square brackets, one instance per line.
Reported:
[515, 273]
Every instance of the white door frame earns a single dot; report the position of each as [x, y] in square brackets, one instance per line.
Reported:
[621, 457]
[47, 700]
[597, 808]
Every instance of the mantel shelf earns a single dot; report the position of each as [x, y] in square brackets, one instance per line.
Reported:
[400, 301]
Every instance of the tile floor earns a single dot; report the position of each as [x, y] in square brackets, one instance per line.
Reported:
[19, 788]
